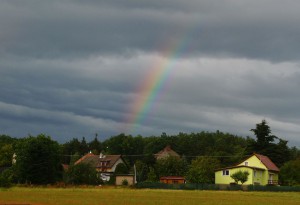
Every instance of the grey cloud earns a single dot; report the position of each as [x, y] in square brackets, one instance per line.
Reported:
[73, 68]
[251, 29]
[231, 95]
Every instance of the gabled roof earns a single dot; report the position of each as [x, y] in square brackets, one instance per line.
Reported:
[166, 152]
[267, 162]
[95, 160]
[264, 159]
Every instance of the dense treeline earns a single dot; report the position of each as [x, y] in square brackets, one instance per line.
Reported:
[40, 156]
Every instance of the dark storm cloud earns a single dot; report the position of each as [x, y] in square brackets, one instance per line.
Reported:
[251, 29]
[72, 68]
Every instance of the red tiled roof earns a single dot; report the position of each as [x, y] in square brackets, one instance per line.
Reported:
[84, 157]
[264, 159]
[167, 151]
[267, 162]
[172, 177]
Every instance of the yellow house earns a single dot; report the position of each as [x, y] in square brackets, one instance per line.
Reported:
[262, 171]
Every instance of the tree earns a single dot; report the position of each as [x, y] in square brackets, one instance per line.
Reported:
[82, 173]
[6, 150]
[263, 134]
[121, 169]
[202, 170]
[241, 176]
[70, 148]
[37, 160]
[84, 146]
[74, 158]
[6, 155]
[6, 178]
[152, 177]
[95, 146]
[290, 173]
[142, 170]
[279, 153]
[170, 166]
[125, 145]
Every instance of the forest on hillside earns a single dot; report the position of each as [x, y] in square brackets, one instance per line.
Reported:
[39, 158]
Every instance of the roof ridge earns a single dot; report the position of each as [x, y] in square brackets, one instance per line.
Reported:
[270, 165]
[84, 157]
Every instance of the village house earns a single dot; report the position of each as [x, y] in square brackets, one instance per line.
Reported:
[172, 180]
[166, 152]
[262, 171]
[163, 154]
[105, 165]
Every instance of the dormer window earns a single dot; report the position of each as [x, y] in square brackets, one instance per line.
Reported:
[246, 163]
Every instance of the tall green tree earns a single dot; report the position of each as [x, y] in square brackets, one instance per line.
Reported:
[70, 148]
[84, 146]
[142, 170]
[263, 134]
[37, 160]
[95, 146]
[279, 153]
[202, 170]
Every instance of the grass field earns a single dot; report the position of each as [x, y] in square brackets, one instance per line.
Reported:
[120, 196]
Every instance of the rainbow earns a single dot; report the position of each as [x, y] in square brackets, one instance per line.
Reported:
[154, 84]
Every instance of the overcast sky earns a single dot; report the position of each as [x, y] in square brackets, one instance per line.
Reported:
[75, 68]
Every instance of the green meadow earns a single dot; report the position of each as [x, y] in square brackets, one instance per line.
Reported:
[122, 196]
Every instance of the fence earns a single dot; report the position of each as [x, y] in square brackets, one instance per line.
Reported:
[188, 186]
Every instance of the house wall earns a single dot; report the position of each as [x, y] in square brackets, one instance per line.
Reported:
[274, 176]
[120, 179]
[256, 176]
[253, 162]
[263, 176]
[226, 179]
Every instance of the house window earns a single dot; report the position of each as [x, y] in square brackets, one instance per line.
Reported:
[254, 174]
[226, 172]
[246, 163]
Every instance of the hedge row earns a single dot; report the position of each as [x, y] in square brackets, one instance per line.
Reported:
[188, 186]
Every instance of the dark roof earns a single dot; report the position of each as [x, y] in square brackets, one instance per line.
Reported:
[95, 160]
[173, 178]
[267, 162]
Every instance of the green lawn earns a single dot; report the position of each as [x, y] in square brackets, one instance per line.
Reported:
[120, 196]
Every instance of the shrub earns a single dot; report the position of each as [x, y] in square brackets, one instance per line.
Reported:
[6, 178]
[82, 174]
[125, 182]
